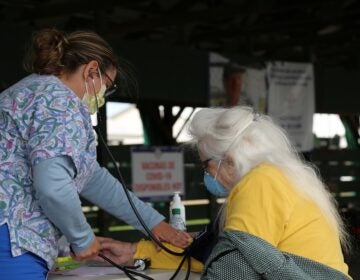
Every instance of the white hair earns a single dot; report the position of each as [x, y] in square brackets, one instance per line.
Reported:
[250, 139]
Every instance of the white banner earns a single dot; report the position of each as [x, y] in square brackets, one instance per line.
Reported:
[157, 171]
[291, 100]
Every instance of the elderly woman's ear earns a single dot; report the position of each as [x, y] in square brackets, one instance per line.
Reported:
[230, 164]
[230, 170]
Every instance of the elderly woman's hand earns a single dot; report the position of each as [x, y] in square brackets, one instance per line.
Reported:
[164, 232]
[122, 253]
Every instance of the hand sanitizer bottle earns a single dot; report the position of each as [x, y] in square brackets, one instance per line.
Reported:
[177, 213]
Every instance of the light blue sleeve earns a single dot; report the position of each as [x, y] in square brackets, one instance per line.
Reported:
[105, 191]
[59, 200]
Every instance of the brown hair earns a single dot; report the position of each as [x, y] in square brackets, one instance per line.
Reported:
[53, 52]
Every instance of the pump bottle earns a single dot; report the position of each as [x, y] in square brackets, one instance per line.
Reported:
[177, 213]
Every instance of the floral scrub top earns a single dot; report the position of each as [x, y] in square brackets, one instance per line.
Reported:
[40, 118]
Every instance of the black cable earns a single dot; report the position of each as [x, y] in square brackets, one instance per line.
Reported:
[178, 268]
[184, 253]
[127, 191]
[188, 267]
[133, 206]
[188, 258]
[126, 269]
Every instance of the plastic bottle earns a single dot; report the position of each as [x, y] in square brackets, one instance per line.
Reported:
[177, 213]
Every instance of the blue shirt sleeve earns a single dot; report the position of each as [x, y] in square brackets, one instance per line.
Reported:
[59, 200]
[105, 191]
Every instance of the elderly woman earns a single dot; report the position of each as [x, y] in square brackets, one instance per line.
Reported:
[279, 220]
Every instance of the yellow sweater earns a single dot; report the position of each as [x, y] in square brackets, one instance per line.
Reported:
[265, 204]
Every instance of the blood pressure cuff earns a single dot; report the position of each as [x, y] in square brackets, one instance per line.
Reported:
[203, 243]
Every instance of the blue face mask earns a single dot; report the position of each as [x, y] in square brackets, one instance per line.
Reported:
[213, 186]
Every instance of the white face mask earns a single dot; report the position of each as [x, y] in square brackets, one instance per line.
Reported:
[94, 102]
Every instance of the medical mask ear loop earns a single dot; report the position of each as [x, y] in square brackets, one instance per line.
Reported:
[101, 84]
[86, 89]
[101, 81]
[218, 167]
[96, 97]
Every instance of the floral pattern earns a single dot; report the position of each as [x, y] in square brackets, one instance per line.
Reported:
[40, 118]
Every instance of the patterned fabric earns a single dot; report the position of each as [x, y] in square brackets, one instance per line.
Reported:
[239, 255]
[40, 118]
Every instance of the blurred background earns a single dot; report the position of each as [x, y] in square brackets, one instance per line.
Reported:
[297, 61]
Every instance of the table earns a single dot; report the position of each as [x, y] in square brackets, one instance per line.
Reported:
[157, 274]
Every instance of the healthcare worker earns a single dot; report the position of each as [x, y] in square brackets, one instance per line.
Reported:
[48, 156]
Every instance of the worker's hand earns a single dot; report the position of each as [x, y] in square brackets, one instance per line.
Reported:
[89, 253]
[122, 253]
[164, 232]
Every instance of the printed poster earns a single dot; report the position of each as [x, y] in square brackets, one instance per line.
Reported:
[291, 100]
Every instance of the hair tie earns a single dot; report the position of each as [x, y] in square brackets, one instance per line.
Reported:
[60, 46]
[66, 41]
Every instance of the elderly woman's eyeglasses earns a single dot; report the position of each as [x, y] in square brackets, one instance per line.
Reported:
[205, 163]
[112, 88]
